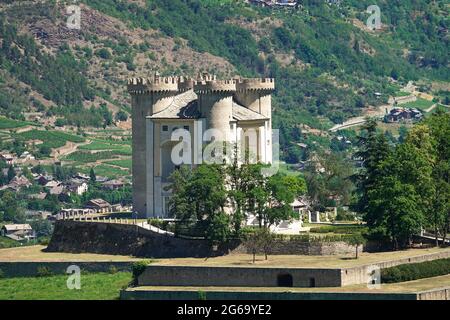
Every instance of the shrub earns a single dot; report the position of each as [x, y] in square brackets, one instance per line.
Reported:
[338, 229]
[44, 271]
[414, 271]
[44, 241]
[138, 268]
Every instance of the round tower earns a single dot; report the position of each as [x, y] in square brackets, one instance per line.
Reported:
[215, 98]
[256, 94]
[148, 96]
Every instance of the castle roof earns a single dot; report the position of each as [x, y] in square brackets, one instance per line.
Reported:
[185, 106]
[241, 113]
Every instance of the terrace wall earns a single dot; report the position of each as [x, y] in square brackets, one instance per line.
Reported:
[123, 239]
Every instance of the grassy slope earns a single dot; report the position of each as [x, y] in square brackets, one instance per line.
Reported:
[99, 286]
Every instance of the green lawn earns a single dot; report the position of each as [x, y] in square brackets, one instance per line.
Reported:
[6, 123]
[94, 286]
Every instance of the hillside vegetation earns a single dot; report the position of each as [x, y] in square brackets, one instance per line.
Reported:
[328, 65]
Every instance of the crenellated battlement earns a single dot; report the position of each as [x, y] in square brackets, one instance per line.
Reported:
[210, 86]
[155, 84]
[265, 84]
[205, 83]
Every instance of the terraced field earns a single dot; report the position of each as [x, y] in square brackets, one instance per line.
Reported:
[13, 124]
[51, 139]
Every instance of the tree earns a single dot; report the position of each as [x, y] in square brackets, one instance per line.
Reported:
[328, 178]
[92, 176]
[218, 229]
[373, 150]
[356, 240]
[121, 116]
[43, 228]
[11, 173]
[266, 240]
[199, 200]
[439, 125]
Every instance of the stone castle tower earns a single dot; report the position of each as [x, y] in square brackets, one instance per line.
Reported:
[160, 105]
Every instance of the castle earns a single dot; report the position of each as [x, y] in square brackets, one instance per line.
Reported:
[162, 105]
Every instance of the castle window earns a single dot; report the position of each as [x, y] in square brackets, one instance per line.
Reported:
[186, 128]
[165, 128]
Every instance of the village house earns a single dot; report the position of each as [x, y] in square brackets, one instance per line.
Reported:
[113, 185]
[17, 183]
[82, 176]
[52, 184]
[403, 115]
[8, 158]
[44, 179]
[26, 157]
[77, 186]
[99, 206]
[18, 232]
[302, 208]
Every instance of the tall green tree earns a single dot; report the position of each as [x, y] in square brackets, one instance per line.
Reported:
[439, 125]
[373, 150]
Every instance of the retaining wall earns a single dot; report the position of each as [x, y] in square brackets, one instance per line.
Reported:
[115, 238]
[237, 276]
[360, 274]
[122, 239]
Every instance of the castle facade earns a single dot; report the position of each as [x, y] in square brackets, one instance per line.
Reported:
[238, 110]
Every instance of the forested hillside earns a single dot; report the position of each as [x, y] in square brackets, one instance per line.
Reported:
[328, 65]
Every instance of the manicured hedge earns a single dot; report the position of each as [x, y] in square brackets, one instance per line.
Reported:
[346, 229]
[414, 271]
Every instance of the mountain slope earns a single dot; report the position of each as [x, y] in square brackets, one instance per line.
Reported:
[328, 65]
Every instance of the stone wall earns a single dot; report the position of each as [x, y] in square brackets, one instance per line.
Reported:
[237, 276]
[360, 274]
[122, 239]
[286, 247]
